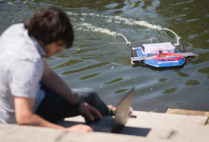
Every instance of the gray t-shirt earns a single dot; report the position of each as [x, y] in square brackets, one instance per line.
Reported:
[21, 69]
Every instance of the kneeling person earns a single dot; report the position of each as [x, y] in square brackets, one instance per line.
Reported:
[30, 92]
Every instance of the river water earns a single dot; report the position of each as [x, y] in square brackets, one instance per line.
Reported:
[100, 60]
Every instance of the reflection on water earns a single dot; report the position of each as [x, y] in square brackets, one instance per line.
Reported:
[183, 74]
[85, 68]
[89, 76]
[100, 60]
[192, 82]
[162, 79]
[120, 91]
[114, 81]
[204, 70]
[68, 63]
[202, 57]
[170, 90]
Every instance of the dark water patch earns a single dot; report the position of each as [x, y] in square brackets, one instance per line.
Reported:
[84, 4]
[62, 56]
[89, 76]
[204, 70]
[120, 91]
[85, 68]
[162, 79]
[169, 91]
[179, 103]
[114, 81]
[68, 63]
[193, 36]
[202, 57]
[192, 82]
[183, 74]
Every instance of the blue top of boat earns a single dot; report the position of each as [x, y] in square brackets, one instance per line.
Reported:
[155, 60]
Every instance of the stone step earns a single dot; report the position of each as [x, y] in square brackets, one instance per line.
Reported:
[16, 133]
[172, 126]
[141, 127]
[157, 120]
[163, 126]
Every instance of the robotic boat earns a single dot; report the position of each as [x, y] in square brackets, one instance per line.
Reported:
[159, 55]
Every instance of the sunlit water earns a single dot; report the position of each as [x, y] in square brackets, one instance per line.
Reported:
[100, 60]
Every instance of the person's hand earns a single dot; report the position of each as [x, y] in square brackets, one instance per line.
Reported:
[80, 128]
[89, 112]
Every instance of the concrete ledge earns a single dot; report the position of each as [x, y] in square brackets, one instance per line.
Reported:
[187, 112]
[16, 133]
[162, 126]
[141, 127]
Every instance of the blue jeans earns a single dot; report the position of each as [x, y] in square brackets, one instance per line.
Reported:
[54, 108]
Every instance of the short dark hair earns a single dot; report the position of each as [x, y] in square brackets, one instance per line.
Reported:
[51, 25]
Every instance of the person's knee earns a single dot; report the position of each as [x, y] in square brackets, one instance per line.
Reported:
[91, 98]
[86, 92]
[93, 95]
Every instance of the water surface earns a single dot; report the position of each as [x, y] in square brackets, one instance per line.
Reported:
[100, 60]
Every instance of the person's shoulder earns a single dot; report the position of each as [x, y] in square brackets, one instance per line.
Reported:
[17, 41]
[16, 25]
[12, 32]
[14, 28]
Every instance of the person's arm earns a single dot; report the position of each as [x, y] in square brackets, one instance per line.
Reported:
[25, 116]
[55, 83]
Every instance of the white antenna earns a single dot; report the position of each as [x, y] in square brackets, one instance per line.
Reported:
[128, 43]
[178, 39]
